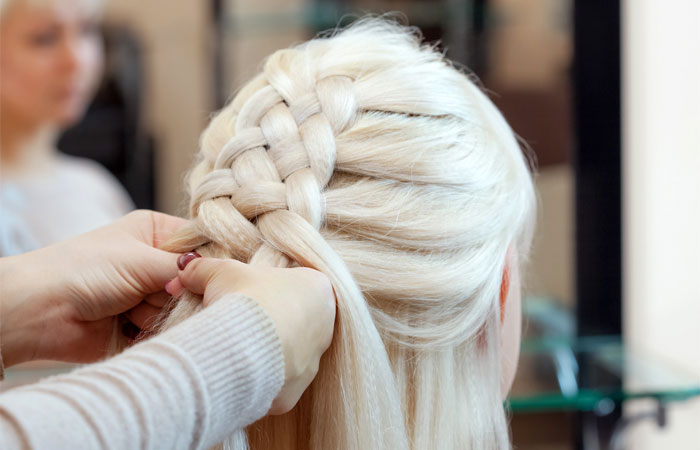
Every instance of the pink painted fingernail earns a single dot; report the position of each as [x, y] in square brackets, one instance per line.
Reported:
[185, 259]
[174, 288]
[169, 288]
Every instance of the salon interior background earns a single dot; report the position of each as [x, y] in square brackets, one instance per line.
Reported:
[619, 157]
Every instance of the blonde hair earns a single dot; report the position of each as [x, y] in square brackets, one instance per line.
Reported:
[369, 157]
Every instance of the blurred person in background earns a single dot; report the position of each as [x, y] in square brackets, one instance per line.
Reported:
[51, 61]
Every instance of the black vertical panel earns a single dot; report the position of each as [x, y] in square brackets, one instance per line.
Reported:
[597, 166]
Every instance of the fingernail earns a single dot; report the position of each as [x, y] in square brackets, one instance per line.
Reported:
[130, 330]
[185, 259]
[174, 288]
[168, 288]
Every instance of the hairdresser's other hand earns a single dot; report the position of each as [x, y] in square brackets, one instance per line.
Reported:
[300, 302]
[59, 302]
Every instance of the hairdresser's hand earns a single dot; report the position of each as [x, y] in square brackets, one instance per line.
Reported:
[59, 302]
[300, 302]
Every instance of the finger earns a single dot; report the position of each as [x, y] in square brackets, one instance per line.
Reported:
[159, 299]
[199, 272]
[157, 267]
[164, 226]
[162, 269]
[150, 227]
[143, 315]
[174, 288]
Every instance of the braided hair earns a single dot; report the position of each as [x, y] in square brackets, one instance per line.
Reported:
[367, 155]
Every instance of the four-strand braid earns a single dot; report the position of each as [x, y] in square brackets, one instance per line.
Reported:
[278, 161]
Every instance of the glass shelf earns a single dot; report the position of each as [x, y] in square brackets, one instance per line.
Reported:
[559, 372]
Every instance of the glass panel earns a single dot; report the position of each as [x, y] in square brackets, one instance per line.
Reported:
[559, 371]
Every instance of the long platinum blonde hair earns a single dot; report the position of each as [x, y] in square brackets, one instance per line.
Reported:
[366, 155]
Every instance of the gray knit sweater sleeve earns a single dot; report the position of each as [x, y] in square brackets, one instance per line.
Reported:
[188, 387]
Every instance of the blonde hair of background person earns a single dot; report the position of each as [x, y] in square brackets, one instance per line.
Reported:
[51, 60]
[369, 157]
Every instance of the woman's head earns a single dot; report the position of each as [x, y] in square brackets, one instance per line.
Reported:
[51, 59]
[368, 156]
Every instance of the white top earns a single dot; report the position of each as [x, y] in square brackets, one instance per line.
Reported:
[187, 388]
[69, 197]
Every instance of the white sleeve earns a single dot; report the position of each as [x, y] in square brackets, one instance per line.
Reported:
[189, 387]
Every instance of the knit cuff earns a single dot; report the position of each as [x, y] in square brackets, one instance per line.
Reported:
[235, 345]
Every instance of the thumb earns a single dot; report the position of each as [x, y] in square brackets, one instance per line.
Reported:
[151, 268]
[196, 272]
[161, 268]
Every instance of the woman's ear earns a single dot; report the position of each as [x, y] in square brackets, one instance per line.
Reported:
[505, 285]
[511, 317]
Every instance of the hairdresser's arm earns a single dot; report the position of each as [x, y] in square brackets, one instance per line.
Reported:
[59, 302]
[189, 387]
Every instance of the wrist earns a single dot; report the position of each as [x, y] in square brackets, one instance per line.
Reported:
[22, 319]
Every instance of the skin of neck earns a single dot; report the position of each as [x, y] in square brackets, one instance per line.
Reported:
[25, 144]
